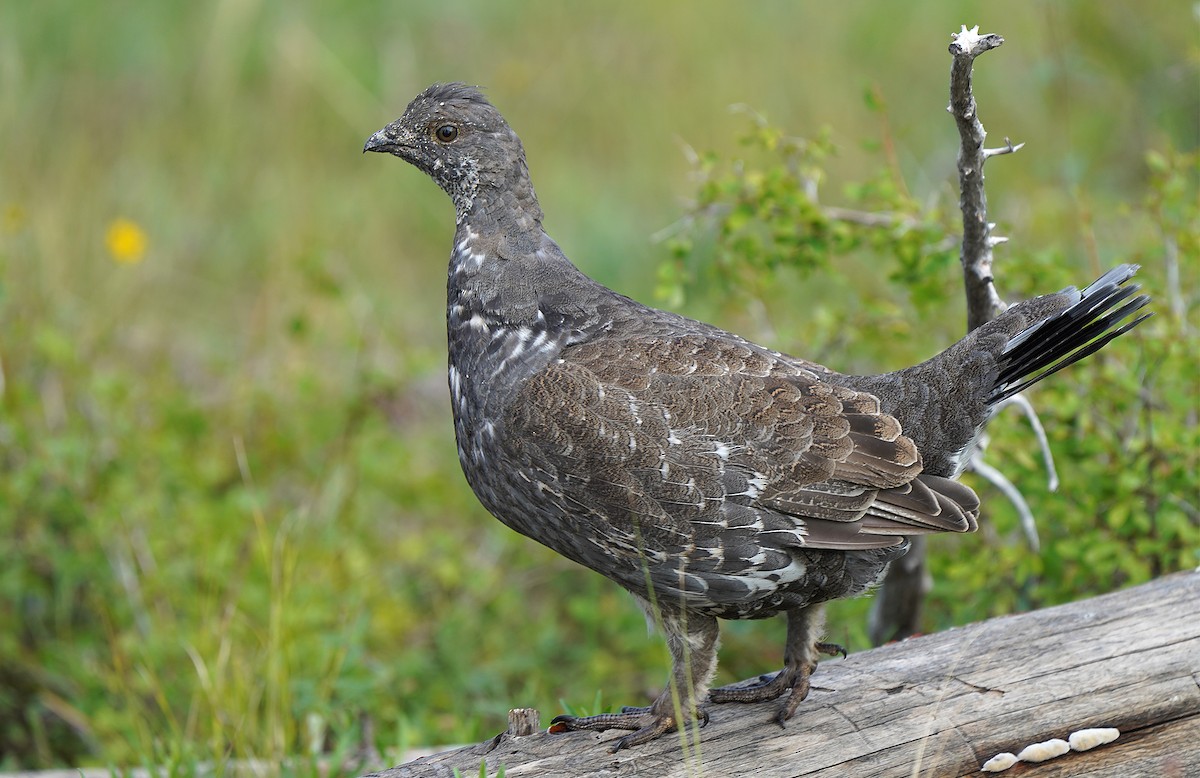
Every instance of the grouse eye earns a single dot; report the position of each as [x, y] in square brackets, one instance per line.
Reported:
[446, 133]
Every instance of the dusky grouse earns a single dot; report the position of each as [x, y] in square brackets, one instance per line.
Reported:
[709, 476]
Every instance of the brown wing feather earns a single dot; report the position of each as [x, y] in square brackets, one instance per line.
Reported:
[673, 433]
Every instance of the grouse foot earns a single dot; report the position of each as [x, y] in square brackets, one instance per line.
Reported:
[793, 677]
[646, 724]
[693, 644]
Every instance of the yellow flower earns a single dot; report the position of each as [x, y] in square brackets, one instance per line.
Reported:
[126, 242]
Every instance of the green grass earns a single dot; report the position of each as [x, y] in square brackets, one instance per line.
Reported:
[233, 523]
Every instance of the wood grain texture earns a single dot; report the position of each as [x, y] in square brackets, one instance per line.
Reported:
[938, 705]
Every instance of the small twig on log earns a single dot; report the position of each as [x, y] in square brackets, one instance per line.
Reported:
[523, 721]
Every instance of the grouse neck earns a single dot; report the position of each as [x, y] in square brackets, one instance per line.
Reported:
[500, 237]
[496, 195]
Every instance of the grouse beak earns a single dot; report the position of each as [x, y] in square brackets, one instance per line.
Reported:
[381, 141]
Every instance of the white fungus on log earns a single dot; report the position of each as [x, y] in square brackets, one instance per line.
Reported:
[1090, 738]
[1080, 740]
[998, 763]
[1040, 752]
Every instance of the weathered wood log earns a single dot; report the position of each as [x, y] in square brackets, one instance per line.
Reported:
[938, 705]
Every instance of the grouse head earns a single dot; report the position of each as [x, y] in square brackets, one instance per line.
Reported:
[459, 139]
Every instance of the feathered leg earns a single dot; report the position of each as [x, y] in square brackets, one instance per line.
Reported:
[692, 640]
[799, 660]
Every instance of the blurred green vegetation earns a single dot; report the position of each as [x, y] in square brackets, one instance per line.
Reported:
[231, 519]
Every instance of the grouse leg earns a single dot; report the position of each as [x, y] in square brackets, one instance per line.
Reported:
[799, 659]
[692, 639]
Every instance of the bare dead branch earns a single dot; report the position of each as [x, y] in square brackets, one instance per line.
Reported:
[983, 303]
[865, 218]
[1174, 287]
[997, 479]
[1040, 432]
[897, 607]
[1008, 148]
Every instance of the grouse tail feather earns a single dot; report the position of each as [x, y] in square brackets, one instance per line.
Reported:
[1082, 328]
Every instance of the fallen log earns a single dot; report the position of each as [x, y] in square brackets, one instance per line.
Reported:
[937, 705]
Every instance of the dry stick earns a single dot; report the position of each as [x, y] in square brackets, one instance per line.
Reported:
[523, 721]
[983, 303]
[896, 610]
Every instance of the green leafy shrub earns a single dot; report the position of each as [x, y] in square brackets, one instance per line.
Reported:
[232, 522]
[1123, 425]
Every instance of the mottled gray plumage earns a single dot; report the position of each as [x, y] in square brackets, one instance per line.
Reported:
[709, 476]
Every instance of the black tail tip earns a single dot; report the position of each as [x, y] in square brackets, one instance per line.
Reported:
[1095, 317]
